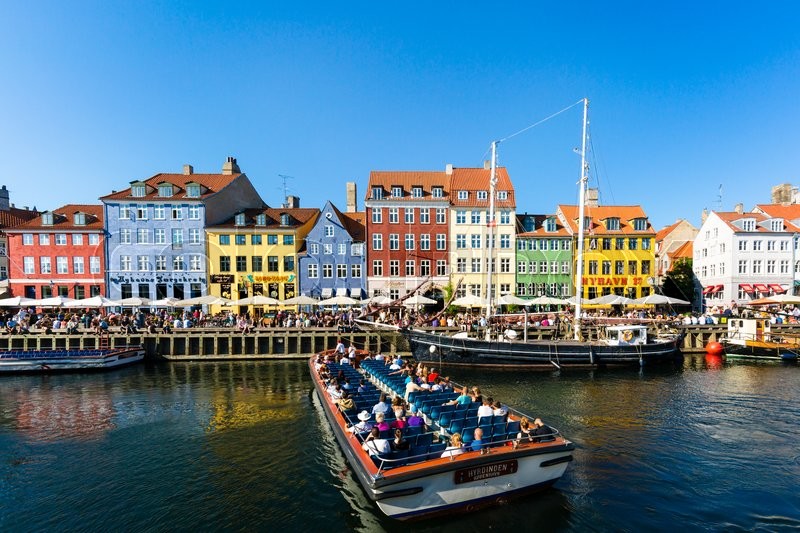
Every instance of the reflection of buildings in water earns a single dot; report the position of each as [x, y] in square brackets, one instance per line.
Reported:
[55, 413]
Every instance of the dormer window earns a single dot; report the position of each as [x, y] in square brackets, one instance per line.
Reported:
[193, 190]
[79, 219]
[286, 220]
[416, 192]
[483, 195]
[397, 192]
[239, 219]
[164, 190]
[438, 192]
[502, 195]
[47, 219]
[261, 219]
[776, 224]
[587, 223]
[463, 195]
[748, 224]
[640, 224]
[612, 224]
[550, 225]
[377, 193]
[138, 190]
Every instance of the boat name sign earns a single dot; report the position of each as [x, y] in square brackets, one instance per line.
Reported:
[479, 473]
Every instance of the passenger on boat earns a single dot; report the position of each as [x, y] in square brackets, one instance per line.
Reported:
[463, 399]
[339, 347]
[363, 425]
[525, 431]
[477, 442]
[542, 432]
[375, 445]
[381, 423]
[412, 386]
[345, 402]
[344, 360]
[415, 420]
[437, 385]
[400, 420]
[500, 409]
[362, 386]
[399, 443]
[456, 446]
[432, 375]
[381, 406]
[485, 410]
[477, 396]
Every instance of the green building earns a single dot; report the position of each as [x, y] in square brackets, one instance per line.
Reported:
[544, 257]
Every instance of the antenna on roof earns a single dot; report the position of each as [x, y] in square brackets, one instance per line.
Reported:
[719, 198]
[285, 189]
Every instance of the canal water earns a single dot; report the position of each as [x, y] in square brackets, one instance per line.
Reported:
[237, 446]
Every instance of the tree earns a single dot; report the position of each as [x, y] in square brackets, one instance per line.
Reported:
[680, 281]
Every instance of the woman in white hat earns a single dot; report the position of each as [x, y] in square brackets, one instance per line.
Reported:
[363, 425]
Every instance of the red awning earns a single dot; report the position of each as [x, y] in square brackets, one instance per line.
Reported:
[746, 287]
[717, 289]
[777, 289]
[760, 287]
[707, 290]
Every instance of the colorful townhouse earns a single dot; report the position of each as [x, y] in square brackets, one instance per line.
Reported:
[58, 253]
[544, 257]
[619, 251]
[407, 232]
[470, 231]
[155, 246]
[741, 256]
[673, 242]
[334, 262]
[255, 252]
[10, 217]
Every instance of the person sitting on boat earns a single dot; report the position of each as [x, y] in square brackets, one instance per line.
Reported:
[463, 399]
[477, 397]
[381, 423]
[374, 444]
[364, 423]
[477, 442]
[415, 420]
[456, 446]
[542, 432]
[382, 406]
[525, 431]
[413, 386]
[500, 409]
[345, 403]
[485, 410]
[437, 385]
[362, 386]
[432, 375]
[399, 443]
[345, 360]
[400, 420]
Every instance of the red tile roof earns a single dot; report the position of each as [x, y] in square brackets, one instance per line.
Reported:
[64, 220]
[685, 250]
[386, 179]
[211, 184]
[729, 217]
[663, 232]
[625, 213]
[299, 215]
[787, 212]
[477, 179]
[15, 216]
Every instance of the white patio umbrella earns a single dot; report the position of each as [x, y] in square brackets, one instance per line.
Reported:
[548, 300]
[785, 298]
[300, 300]
[55, 301]
[511, 299]
[256, 300]
[418, 299]
[338, 300]
[208, 299]
[163, 302]
[135, 301]
[94, 301]
[380, 299]
[610, 299]
[470, 300]
[16, 301]
[573, 300]
[660, 299]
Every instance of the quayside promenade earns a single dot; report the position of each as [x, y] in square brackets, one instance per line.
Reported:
[277, 343]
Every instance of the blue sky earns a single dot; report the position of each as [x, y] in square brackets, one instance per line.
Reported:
[684, 96]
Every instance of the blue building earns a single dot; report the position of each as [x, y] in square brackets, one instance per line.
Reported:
[334, 262]
[155, 230]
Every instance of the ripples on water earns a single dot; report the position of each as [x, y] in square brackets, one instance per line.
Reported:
[244, 446]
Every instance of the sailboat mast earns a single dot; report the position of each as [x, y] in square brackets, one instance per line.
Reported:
[581, 214]
[491, 224]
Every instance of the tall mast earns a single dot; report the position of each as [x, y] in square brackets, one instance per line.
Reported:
[491, 224]
[581, 204]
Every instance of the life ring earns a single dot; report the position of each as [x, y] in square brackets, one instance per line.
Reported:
[627, 335]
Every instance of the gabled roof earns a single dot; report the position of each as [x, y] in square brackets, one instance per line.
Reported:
[407, 179]
[539, 229]
[625, 213]
[299, 216]
[477, 179]
[211, 183]
[729, 217]
[15, 216]
[786, 212]
[63, 221]
[354, 223]
[663, 232]
[684, 251]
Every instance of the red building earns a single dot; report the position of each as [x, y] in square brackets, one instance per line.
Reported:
[58, 253]
[407, 231]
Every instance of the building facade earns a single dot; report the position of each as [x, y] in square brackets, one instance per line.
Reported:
[255, 252]
[59, 253]
[334, 262]
[407, 232]
[672, 243]
[156, 230]
[544, 257]
[10, 217]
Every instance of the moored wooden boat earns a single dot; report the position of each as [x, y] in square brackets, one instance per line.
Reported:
[36, 361]
[419, 482]
[753, 338]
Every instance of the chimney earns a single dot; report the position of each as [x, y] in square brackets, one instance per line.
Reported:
[448, 169]
[230, 166]
[188, 170]
[704, 215]
[487, 165]
[592, 196]
[782, 194]
[739, 208]
[292, 202]
[4, 199]
[352, 198]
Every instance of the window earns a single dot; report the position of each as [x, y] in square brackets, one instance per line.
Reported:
[784, 266]
[756, 266]
[565, 267]
[160, 236]
[77, 239]
[475, 240]
[646, 243]
[288, 240]
[241, 263]
[177, 237]
[124, 212]
[313, 271]
[377, 193]
[409, 215]
[632, 243]
[505, 217]
[475, 217]
[592, 268]
[327, 249]
[124, 236]
[94, 265]
[441, 267]
[177, 263]
[240, 240]
[341, 271]
[463, 195]
[606, 268]
[377, 268]
[441, 241]
[441, 215]
[522, 267]
[461, 217]
[224, 263]
[141, 212]
[742, 266]
[505, 242]
[756, 246]
[424, 215]
[164, 190]
[612, 224]
[784, 246]
[142, 263]
[632, 268]
[410, 267]
[461, 241]
[328, 230]
[394, 268]
[193, 191]
[645, 267]
[640, 224]
[742, 246]
[272, 239]
[481, 195]
[27, 265]
[272, 263]
[327, 271]
[397, 192]
[288, 263]
[543, 267]
[394, 241]
[619, 267]
[394, 216]
[125, 263]
[257, 263]
[502, 195]
[161, 263]
[61, 239]
[606, 243]
[416, 192]
[461, 265]
[437, 192]
[409, 241]
[177, 213]
[44, 266]
[377, 215]
[425, 267]
[44, 239]
[505, 265]
[159, 212]
[261, 219]
[425, 241]
[748, 224]
[142, 235]
[357, 248]
[476, 265]
[770, 266]
[342, 248]
[194, 212]
[355, 271]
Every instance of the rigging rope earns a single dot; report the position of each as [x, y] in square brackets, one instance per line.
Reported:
[523, 130]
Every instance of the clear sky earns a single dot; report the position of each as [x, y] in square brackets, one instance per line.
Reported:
[685, 96]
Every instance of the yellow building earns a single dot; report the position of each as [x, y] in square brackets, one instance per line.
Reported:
[619, 249]
[255, 253]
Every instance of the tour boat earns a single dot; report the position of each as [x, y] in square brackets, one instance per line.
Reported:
[418, 482]
[32, 361]
[754, 338]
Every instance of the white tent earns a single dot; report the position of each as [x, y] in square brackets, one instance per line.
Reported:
[300, 300]
[208, 299]
[256, 300]
[548, 300]
[610, 299]
[660, 299]
[785, 299]
[380, 299]
[417, 300]
[55, 301]
[511, 299]
[94, 301]
[135, 301]
[163, 302]
[469, 300]
[16, 301]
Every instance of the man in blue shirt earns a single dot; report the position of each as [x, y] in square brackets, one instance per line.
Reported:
[477, 443]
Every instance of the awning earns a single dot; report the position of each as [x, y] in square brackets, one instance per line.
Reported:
[777, 289]
[341, 291]
[760, 287]
[717, 288]
[327, 292]
[746, 287]
[707, 290]
[356, 293]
